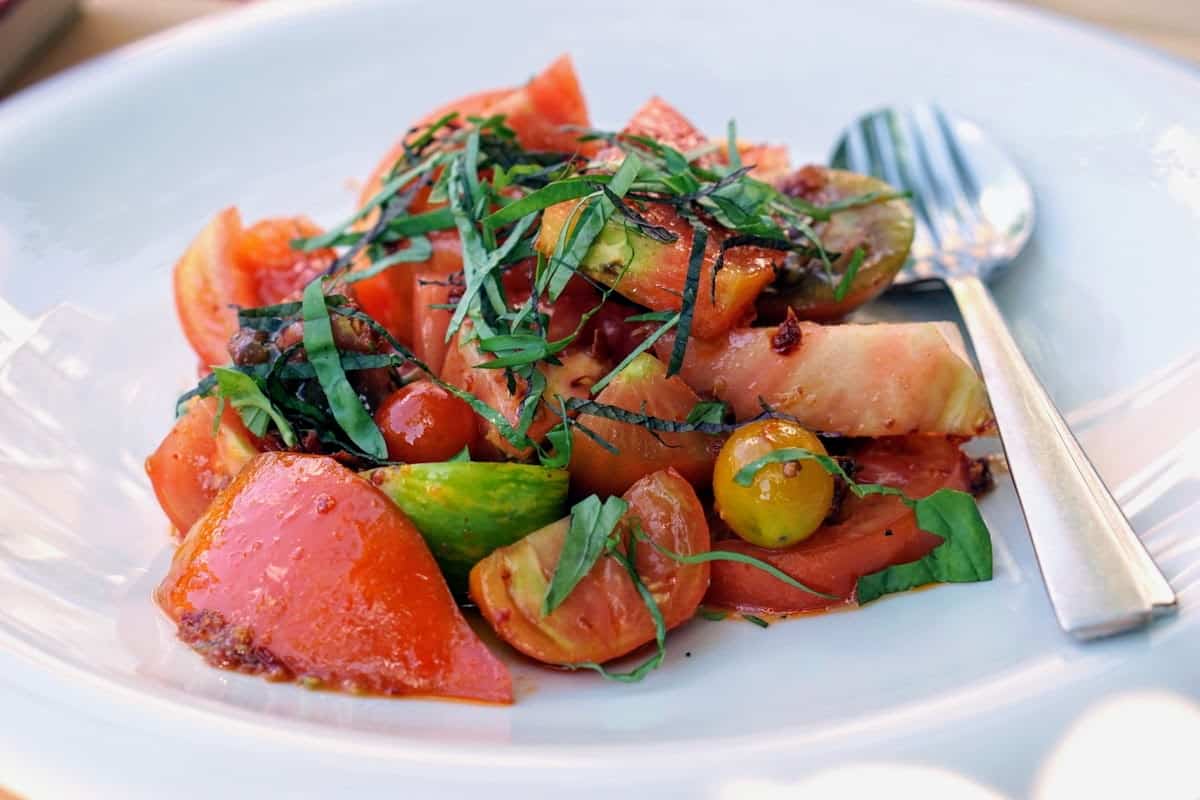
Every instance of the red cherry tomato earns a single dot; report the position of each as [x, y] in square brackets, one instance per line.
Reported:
[301, 568]
[423, 422]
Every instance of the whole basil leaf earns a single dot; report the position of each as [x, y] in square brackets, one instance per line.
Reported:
[964, 556]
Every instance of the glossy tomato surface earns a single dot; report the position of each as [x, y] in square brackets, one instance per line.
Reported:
[229, 265]
[301, 568]
[604, 617]
[869, 534]
[423, 422]
[193, 464]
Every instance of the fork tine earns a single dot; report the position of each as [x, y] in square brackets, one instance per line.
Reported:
[936, 144]
[895, 158]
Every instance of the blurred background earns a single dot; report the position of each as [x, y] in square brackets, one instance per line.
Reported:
[41, 37]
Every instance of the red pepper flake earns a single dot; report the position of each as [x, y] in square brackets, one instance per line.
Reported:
[787, 336]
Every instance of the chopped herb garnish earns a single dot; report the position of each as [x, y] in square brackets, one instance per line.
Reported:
[344, 402]
[246, 396]
[592, 523]
[759, 621]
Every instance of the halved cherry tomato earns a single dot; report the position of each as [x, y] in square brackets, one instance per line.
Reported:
[604, 617]
[301, 568]
[228, 265]
[871, 534]
[423, 422]
[642, 387]
[192, 465]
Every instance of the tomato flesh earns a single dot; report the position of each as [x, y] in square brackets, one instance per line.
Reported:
[871, 533]
[604, 617]
[423, 422]
[229, 265]
[301, 568]
[192, 465]
[642, 387]
[391, 296]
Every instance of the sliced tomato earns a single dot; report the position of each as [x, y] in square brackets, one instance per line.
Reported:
[871, 534]
[853, 380]
[192, 465]
[430, 323]
[229, 265]
[604, 617]
[301, 568]
[642, 387]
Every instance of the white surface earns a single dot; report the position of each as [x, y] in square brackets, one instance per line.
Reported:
[107, 172]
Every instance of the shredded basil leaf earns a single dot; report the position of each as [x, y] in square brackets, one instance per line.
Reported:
[246, 396]
[592, 522]
[322, 352]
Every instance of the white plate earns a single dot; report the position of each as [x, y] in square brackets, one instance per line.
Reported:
[106, 173]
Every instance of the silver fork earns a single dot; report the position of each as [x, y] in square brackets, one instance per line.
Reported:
[974, 214]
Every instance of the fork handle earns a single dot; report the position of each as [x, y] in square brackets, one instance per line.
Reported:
[1098, 574]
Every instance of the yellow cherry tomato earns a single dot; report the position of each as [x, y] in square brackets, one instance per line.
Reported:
[785, 502]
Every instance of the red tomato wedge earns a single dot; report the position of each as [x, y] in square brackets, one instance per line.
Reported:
[853, 380]
[301, 568]
[227, 265]
[604, 617]
[205, 286]
[642, 387]
[654, 273]
[192, 466]
[871, 534]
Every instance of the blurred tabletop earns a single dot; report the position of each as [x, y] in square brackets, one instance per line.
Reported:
[102, 25]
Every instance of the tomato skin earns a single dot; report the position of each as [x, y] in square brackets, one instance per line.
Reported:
[604, 617]
[642, 387]
[266, 263]
[191, 465]
[391, 296]
[205, 285]
[871, 533]
[329, 580]
[230, 265]
[423, 422]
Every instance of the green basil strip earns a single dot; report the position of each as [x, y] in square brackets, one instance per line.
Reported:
[843, 288]
[710, 411]
[323, 354]
[246, 396]
[645, 345]
[660, 629]
[729, 555]
[334, 236]
[418, 250]
[592, 522]
[574, 242]
[688, 308]
[440, 219]
[553, 194]
[964, 556]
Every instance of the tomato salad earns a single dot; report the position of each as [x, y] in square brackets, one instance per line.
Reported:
[586, 385]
